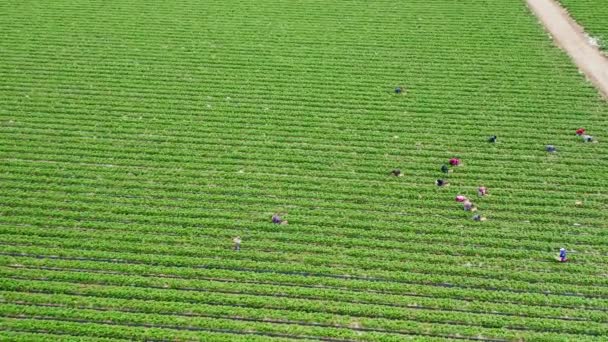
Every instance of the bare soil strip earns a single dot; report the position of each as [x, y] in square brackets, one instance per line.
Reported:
[571, 37]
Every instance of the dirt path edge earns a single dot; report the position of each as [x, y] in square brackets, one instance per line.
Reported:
[571, 37]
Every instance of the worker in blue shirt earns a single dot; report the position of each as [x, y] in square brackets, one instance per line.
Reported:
[562, 255]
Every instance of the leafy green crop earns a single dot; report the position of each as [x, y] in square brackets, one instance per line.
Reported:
[137, 139]
[592, 15]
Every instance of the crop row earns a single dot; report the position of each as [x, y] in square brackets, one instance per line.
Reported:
[38, 327]
[341, 153]
[305, 53]
[274, 239]
[125, 115]
[386, 145]
[161, 214]
[187, 323]
[152, 158]
[309, 45]
[397, 189]
[441, 290]
[78, 185]
[142, 154]
[351, 236]
[238, 312]
[217, 97]
[437, 199]
[555, 293]
[334, 235]
[469, 53]
[226, 177]
[517, 142]
[353, 289]
[338, 262]
[423, 277]
[293, 242]
[214, 241]
[168, 87]
[385, 186]
[215, 207]
[374, 100]
[413, 318]
[34, 131]
[176, 216]
[20, 333]
[218, 208]
[163, 79]
[213, 204]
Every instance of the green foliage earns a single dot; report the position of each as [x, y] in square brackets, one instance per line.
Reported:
[592, 15]
[138, 138]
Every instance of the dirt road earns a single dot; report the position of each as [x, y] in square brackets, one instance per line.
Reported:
[571, 37]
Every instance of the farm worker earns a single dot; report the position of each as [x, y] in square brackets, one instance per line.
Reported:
[550, 148]
[468, 206]
[237, 243]
[562, 255]
[441, 182]
[399, 90]
[276, 219]
[445, 169]
[460, 198]
[587, 138]
[396, 173]
[580, 131]
[482, 191]
[454, 161]
[478, 218]
[492, 139]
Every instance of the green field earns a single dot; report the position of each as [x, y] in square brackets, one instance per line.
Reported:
[137, 138]
[593, 16]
